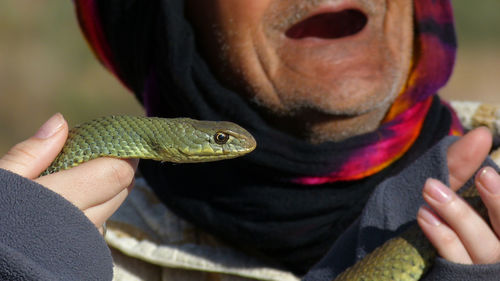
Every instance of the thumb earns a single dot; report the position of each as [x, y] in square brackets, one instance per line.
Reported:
[32, 156]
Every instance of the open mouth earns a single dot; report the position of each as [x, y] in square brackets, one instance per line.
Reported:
[329, 25]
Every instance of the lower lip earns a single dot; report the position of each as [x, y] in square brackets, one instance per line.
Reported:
[320, 56]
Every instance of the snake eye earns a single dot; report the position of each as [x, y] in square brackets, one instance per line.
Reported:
[221, 137]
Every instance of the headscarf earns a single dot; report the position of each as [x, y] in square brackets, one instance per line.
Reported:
[289, 199]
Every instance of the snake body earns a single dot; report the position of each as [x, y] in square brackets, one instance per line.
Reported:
[179, 140]
[406, 257]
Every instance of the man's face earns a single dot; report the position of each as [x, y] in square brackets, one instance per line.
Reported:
[331, 67]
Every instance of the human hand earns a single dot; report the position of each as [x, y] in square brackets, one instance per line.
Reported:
[458, 233]
[97, 187]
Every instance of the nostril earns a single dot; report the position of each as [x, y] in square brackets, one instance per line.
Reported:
[329, 25]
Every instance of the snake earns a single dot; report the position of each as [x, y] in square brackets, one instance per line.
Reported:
[176, 140]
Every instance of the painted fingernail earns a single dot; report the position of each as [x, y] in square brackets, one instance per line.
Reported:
[50, 127]
[428, 216]
[438, 191]
[488, 178]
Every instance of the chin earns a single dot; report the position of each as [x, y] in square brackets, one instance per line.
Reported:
[349, 96]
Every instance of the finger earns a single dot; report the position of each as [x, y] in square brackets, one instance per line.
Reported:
[446, 242]
[466, 155]
[32, 156]
[475, 234]
[488, 185]
[99, 214]
[92, 183]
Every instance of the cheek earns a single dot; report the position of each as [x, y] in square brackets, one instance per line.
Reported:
[399, 31]
[243, 9]
[239, 16]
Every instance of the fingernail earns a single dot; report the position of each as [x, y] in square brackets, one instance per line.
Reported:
[488, 178]
[438, 191]
[428, 216]
[50, 127]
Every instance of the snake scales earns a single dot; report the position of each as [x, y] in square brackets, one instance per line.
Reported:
[403, 258]
[179, 140]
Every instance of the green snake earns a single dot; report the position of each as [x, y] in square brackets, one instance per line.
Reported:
[178, 140]
[181, 140]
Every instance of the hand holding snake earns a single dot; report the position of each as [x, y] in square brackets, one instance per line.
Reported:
[460, 235]
[98, 187]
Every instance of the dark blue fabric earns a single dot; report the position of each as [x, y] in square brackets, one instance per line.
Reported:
[390, 210]
[45, 237]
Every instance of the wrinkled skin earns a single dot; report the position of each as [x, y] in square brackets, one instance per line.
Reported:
[319, 85]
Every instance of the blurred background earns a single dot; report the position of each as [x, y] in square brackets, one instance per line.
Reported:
[47, 67]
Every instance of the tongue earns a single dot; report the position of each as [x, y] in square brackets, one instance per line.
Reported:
[329, 25]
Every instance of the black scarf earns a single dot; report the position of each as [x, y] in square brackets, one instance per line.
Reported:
[260, 210]
[252, 202]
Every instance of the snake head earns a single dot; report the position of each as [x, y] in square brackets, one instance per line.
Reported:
[212, 141]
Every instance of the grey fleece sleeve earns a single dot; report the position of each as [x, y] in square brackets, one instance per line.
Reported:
[45, 237]
[390, 209]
